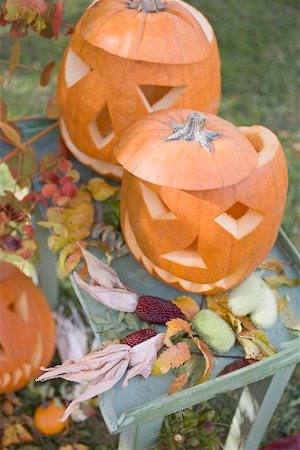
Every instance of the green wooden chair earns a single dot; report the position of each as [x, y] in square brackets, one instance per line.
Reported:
[137, 412]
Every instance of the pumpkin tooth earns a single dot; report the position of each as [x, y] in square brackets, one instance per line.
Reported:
[26, 370]
[137, 337]
[6, 379]
[156, 310]
[17, 375]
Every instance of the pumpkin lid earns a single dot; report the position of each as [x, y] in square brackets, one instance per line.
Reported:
[131, 29]
[186, 150]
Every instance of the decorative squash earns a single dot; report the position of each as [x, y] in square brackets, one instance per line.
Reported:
[201, 200]
[27, 330]
[127, 59]
[47, 418]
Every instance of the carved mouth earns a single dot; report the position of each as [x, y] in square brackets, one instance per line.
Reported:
[167, 277]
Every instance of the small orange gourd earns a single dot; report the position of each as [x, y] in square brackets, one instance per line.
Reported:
[127, 59]
[27, 329]
[47, 418]
[201, 200]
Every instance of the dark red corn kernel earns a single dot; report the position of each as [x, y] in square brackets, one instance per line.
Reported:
[137, 337]
[156, 310]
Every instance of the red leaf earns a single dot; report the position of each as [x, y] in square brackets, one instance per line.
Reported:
[287, 443]
[57, 18]
[235, 365]
[18, 30]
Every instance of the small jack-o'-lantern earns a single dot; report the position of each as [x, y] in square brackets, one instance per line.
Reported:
[27, 330]
[202, 200]
[127, 59]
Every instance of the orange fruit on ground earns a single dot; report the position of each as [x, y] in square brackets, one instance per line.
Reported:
[46, 418]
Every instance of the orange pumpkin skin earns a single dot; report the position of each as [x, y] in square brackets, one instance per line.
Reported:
[105, 85]
[27, 330]
[200, 236]
[46, 418]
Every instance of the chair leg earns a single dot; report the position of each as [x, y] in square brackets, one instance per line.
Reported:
[46, 265]
[255, 409]
[142, 437]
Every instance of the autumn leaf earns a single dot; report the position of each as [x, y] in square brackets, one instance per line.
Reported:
[235, 365]
[179, 383]
[171, 358]
[15, 434]
[272, 264]
[11, 133]
[69, 257]
[281, 301]
[208, 357]
[101, 190]
[276, 281]
[23, 166]
[3, 109]
[255, 344]
[174, 327]
[187, 306]
[14, 57]
[46, 73]
[289, 318]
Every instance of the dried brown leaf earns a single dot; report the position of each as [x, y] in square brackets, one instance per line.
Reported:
[46, 73]
[289, 318]
[276, 281]
[16, 434]
[274, 265]
[14, 57]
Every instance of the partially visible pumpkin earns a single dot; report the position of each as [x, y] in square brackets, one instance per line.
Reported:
[201, 200]
[27, 329]
[126, 59]
[47, 418]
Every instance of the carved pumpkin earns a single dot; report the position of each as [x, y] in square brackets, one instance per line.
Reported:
[202, 200]
[125, 61]
[27, 330]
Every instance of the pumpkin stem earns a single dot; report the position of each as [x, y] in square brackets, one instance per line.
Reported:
[147, 5]
[194, 130]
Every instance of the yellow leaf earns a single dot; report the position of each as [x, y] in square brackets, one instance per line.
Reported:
[281, 301]
[16, 434]
[208, 357]
[174, 327]
[101, 190]
[272, 264]
[289, 318]
[68, 259]
[255, 344]
[11, 133]
[171, 358]
[275, 281]
[187, 306]
[179, 383]
[14, 57]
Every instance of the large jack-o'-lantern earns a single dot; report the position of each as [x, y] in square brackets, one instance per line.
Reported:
[202, 200]
[27, 330]
[127, 59]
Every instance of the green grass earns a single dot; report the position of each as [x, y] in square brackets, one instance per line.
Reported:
[260, 50]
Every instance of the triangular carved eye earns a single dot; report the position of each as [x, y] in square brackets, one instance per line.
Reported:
[75, 68]
[20, 307]
[239, 220]
[101, 129]
[159, 97]
[2, 354]
[154, 204]
[188, 257]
